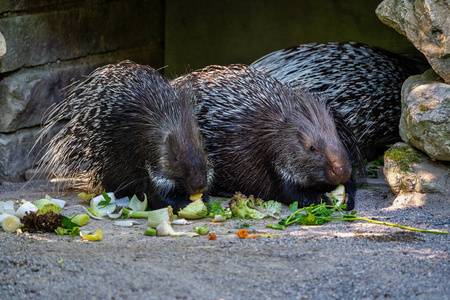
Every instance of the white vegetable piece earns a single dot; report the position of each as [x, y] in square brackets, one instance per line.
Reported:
[7, 207]
[26, 206]
[137, 205]
[123, 202]
[164, 229]
[180, 222]
[9, 222]
[125, 223]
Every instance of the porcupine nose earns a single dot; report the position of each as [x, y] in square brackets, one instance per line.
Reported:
[340, 172]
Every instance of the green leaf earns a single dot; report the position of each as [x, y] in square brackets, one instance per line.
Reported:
[105, 202]
[293, 207]
[67, 223]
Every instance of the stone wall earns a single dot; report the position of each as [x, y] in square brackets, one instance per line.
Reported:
[49, 44]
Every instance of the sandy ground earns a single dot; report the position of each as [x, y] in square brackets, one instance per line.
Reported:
[338, 260]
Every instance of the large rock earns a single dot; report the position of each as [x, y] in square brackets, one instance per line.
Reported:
[17, 153]
[426, 23]
[409, 171]
[25, 95]
[78, 30]
[425, 119]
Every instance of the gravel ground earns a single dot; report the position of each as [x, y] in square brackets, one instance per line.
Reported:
[338, 260]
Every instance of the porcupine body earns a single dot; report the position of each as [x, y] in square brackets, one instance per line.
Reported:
[133, 134]
[362, 82]
[265, 139]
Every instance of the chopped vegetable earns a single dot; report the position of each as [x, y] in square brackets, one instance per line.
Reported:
[337, 195]
[128, 213]
[7, 207]
[9, 222]
[86, 197]
[123, 202]
[104, 199]
[249, 207]
[196, 197]
[137, 205]
[48, 222]
[80, 219]
[125, 223]
[116, 215]
[155, 217]
[201, 230]
[94, 237]
[195, 210]
[242, 233]
[215, 209]
[75, 231]
[150, 231]
[45, 205]
[164, 229]
[59, 202]
[103, 205]
[275, 226]
[24, 208]
[219, 218]
[211, 236]
[180, 222]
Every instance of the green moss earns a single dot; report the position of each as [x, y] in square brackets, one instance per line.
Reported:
[403, 156]
[423, 107]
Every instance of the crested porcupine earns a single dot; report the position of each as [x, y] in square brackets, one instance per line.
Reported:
[133, 134]
[361, 82]
[266, 140]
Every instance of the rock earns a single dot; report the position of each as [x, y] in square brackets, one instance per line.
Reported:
[409, 171]
[426, 24]
[2, 45]
[25, 95]
[79, 30]
[17, 153]
[425, 121]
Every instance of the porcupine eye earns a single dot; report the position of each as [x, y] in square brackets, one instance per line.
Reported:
[312, 149]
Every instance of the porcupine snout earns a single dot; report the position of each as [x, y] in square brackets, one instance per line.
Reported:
[339, 169]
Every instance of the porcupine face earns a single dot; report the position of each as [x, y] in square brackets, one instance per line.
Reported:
[312, 153]
[183, 160]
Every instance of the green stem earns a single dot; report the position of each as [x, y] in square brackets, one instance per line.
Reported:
[292, 215]
[399, 226]
[135, 214]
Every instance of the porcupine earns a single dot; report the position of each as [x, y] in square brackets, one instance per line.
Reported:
[266, 140]
[133, 134]
[362, 82]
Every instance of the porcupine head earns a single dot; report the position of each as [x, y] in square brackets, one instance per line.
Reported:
[310, 152]
[182, 169]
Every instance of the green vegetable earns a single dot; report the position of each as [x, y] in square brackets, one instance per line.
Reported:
[137, 205]
[128, 213]
[195, 210]
[9, 222]
[105, 202]
[150, 231]
[318, 214]
[201, 230]
[80, 219]
[247, 207]
[215, 208]
[75, 231]
[45, 205]
[275, 226]
[157, 216]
